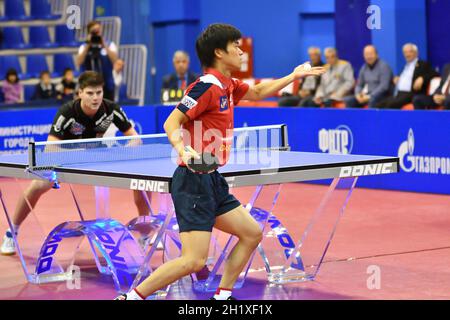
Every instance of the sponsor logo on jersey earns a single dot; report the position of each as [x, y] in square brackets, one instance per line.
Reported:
[77, 129]
[223, 103]
[188, 102]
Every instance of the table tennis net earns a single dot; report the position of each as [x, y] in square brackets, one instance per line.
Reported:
[53, 154]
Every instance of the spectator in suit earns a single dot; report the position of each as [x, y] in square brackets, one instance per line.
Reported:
[335, 83]
[308, 86]
[12, 88]
[374, 81]
[45, 89]
[440, 97]
[182, 77]
[413, 80]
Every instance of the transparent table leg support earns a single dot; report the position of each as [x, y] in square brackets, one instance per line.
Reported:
[102, 202]
[145, 270]
[263, 197]
[53, 259]
[30, 254]
[303, 262]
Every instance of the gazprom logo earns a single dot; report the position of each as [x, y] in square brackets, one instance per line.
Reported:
[336, 141]
[420, 164]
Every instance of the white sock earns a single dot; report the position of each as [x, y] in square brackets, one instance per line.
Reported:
[134, 295]
[222, 294]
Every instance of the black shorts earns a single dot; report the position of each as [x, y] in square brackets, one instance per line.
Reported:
[200, 198]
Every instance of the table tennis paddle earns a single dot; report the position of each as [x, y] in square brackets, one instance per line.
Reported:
[203, 163]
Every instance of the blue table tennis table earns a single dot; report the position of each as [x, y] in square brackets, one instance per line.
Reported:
[268, 171]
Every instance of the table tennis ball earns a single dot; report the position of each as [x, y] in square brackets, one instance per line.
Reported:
[307, 67]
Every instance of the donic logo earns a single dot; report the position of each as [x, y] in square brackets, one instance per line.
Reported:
[420, 164]
[367, 170]
[336, 141]
[286, 242]
[147, 185]
[111, 246]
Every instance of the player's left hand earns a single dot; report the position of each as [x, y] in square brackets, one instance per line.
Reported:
[302, 71]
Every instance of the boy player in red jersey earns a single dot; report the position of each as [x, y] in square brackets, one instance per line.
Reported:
[202, 199]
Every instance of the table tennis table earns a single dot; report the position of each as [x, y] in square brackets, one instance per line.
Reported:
[260, 157]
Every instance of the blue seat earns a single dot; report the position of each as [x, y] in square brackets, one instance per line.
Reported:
[13, 38]
[7, 62]
[65, 37]
[61, 62]
[2, 96]
[123, 92]
[36, 63]
[15, 10]
[39, 37]
[41, 10]
[29, 90]
[123, 96]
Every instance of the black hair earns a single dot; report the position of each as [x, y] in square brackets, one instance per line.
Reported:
[90, 79]
[43, 72]
[215, 36]
[91, 24]
[67, 70]
[11, 72]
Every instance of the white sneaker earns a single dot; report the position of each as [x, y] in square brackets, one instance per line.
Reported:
[8, 247]
[121, 297]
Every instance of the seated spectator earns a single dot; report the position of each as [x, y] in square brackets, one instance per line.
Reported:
[413, 80]
[440, 97]
[12, 88]
[182, 77]
[118, 77]
[66, 88]
[308, 86]
[335, 83]
[374, 81]
[44, 89]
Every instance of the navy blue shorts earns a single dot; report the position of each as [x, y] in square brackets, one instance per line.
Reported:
[200, 198]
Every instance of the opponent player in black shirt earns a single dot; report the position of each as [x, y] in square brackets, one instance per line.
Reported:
[88, 117]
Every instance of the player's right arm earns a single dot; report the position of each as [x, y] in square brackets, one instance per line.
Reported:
[53, 138]
[52, 148]
[172, 127]
[60, 124]
[195, 101]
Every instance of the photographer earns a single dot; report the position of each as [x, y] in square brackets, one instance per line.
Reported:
[98, 55]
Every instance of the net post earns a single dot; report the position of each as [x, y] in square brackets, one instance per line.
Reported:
[31, 154]
[284, 137]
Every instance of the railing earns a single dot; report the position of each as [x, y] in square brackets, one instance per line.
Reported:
[58, 6]
[135, 69]
[112, 27]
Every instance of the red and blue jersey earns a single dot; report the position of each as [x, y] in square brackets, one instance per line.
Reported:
[209, 104]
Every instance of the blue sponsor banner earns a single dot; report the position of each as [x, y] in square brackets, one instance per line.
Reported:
[19, 127]
[421, 139]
